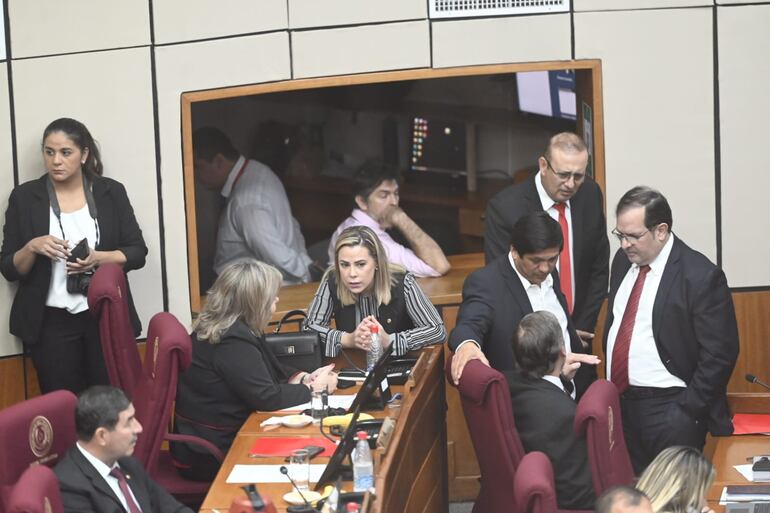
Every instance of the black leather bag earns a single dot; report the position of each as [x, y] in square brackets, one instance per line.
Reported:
[298, 349]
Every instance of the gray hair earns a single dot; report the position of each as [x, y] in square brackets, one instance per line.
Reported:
[538, 343]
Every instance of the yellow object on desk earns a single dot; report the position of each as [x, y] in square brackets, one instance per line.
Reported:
[344, 420]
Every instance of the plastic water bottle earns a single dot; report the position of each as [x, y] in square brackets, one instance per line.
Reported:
[375, 351]
[363, 468]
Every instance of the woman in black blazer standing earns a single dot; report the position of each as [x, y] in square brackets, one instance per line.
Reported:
[45, 220]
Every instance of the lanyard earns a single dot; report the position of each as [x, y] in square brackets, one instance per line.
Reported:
[240, 173]
[54, 202]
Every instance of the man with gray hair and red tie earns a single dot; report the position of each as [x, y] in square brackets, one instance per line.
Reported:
[671, 337]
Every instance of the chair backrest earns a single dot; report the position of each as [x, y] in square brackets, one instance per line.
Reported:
[169, 351]
[108, 302]
[37, 491]
[486, 404]
[36, 431]
[598, 419]
[534, 487]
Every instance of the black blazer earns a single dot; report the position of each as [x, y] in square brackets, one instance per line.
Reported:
[591, 250]
[83, 490]
[544, 416]
[494, 301]
[695, 330]
[227, 381]
[27, 217]
[393, 317]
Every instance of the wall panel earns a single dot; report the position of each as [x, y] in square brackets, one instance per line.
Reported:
[187, 20]
[744, 110]
[8, 343]
[115, 103]
[658, 110]
[360, 49]
[501, 40]
[45, 28]
[312, 13]
[618, 5]
[196, 66]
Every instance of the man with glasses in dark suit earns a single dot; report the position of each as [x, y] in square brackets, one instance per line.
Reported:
[562, 189]
[671, 338]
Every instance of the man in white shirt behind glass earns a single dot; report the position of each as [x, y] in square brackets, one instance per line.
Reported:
[98, 475]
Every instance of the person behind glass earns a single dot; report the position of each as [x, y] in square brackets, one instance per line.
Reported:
[362, 290]
[677, 481]
[45, 220]
[233, 372]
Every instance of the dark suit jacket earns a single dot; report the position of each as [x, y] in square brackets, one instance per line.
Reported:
[695, 330]
[494, 301]
[27, 217]
[83, 490]
[591, 250]
[544, 416]
[227, 381]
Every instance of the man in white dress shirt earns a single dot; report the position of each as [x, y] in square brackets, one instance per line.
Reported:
[671, 334]
[257, 222]
[98, 475]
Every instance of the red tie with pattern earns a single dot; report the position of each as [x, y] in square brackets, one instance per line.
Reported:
[118, 474]
[619, 369]
[565, 262]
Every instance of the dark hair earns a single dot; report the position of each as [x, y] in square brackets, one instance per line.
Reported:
[537, 343]
[630, 496]
[656, 208]
[370, 175]
[82, 138]
[99, 406]
[535, 232]
[209, 141]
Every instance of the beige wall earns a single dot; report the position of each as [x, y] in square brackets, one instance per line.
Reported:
[93, 61]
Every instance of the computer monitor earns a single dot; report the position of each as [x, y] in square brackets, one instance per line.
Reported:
[437, 145]
[376, 379]
[547, 93]
[346, 444]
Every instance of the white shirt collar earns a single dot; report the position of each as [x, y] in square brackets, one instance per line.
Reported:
[98, 464]
[227, 189]
[556, 380]
[659, 264]
[545, 199]
[548, 282]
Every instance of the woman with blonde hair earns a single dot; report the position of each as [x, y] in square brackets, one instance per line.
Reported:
[362, 290]
[233, 372]
[677, 480]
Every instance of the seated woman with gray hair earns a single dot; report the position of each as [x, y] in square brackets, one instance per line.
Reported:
[233, 372]
[677, 481]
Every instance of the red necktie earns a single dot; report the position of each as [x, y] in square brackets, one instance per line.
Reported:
[118, 474]
[619, 367]
[565, 263]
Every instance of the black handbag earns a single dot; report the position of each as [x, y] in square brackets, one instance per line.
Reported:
[298, 349]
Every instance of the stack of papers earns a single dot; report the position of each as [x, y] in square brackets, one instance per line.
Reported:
[745, 493]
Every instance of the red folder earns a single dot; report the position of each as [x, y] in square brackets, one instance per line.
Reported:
[279, 446]
[751, 424]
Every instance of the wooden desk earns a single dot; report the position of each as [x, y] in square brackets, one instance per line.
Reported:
[411, 474]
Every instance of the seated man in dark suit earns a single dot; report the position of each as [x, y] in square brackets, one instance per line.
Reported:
[544, 413]
[97, 475]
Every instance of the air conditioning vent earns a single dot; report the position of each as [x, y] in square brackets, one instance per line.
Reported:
[476, 8]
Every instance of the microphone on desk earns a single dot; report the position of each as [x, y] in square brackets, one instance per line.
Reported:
[307, 508]
[751, 378]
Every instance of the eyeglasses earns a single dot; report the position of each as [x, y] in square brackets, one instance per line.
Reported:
[564, 176]
[631, 239]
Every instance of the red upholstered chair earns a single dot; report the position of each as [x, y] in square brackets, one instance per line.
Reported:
[533, 487]
[37, 491]
[487, 408]
[36, 431]
[108, 302]
[169, 351]
[598, 419]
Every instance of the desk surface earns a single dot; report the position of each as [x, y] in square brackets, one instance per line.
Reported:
[730, 451]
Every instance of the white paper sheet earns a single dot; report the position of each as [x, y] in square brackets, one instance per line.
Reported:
[335, 401]
[267, 474]
[745, 471]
